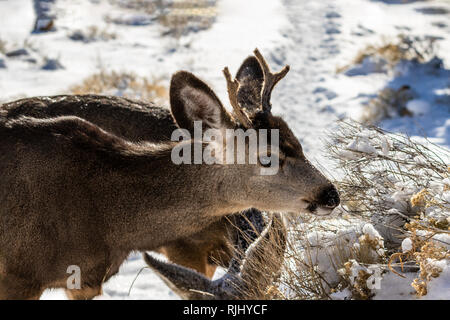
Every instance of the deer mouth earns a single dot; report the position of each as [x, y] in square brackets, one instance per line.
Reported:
[320, 210]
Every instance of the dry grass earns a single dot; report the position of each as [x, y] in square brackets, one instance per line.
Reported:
[371, 177]
[392, 56]
[260, 264]
[402, 175]
[394, 50]
[300, 277]
[178, 18]
[304, 276]
[186, 16]
[387, 104]
[147, 6]
[92, 33]
[425, 253]
[2, 46]
[417, 174]
[123, 84]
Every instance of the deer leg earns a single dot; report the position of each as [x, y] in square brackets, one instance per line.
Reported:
[85, 293]
[210, 269]
[185, 254]
[16, 288]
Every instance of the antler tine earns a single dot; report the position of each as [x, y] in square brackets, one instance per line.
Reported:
[270, 80]
[233, 87]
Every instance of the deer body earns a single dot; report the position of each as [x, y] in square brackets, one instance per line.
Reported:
[93, 216]
[141, 121]
[136, 121]
[75, 194]
[129, 119]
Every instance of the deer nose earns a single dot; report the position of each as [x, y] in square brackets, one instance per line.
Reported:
[329, 197]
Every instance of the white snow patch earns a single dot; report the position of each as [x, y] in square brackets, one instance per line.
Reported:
[418, 107]
[407, 245]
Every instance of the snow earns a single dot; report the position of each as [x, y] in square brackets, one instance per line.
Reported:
[313, 37]
[418, 107]
[407, 245]
[2, 61]
[327, 250]
[438, 288]
[371, 64]
[341, 295]
[146, 285]
[361, 145]
[370, 231]
[394, 287]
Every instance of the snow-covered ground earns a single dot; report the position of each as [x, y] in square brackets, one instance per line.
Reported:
[313, 37]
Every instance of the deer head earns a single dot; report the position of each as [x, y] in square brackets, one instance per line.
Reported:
[295, 185]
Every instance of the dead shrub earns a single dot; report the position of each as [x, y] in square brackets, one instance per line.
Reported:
[91, 34]
[387, 104]
[147, 6]
[123, 84]
[183, 17]
[178, 18]
[425, 251]
[261, 262]
[383, 171]
[392, 51]
[401, 186]
[2, 46]
[397, 57]
[385, 176]
[321, 262]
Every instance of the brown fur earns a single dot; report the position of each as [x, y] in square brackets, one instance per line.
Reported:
[204, 250]
[100, 226]
[74, 194]
[86, 293]
[136, 121]
[143, 121]
[251, 78]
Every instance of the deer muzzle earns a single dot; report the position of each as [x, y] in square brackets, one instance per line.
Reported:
[326, 201]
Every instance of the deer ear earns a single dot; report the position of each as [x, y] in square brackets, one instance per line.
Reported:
[251, 79]
[192, 100]
[187, 283]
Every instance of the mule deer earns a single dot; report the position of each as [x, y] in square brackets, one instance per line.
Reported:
[140, 121]
[74, 194]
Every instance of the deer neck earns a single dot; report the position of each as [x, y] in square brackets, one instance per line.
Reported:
[153, 202]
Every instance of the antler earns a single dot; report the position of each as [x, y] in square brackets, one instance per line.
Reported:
[256, 273]
[233, 87]
[270, 80]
